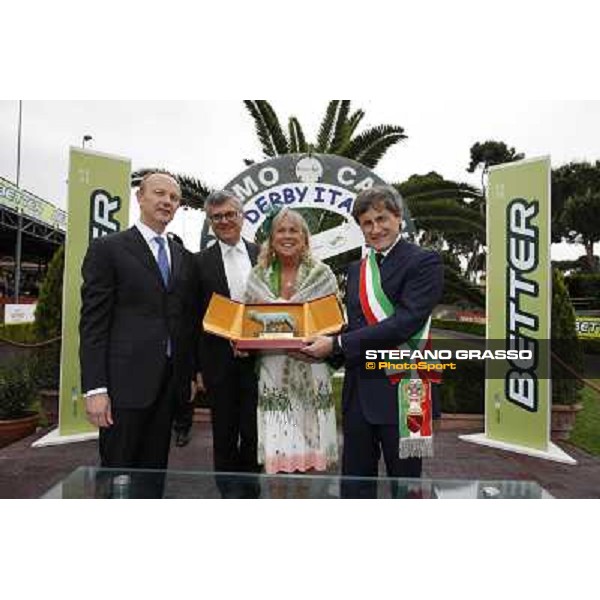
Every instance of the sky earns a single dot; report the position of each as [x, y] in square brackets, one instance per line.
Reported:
[210, 138]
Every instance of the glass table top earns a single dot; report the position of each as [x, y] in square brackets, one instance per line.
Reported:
[90, 482]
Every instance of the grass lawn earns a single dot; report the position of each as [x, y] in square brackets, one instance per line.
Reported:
[586, 433]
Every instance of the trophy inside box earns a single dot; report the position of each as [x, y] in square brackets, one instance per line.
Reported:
[273, 324]
[281, 326]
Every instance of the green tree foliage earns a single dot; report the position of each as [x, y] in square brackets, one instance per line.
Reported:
[491, 153]
[457, 287]
[580, 265]
[48, 312]
[487, 154]
[571, 180]
[48, 324]
[463, 390]
[565, 344]
[443, 207]
[447, 217]
[585, 285]
[337, 133]
[193, 191]
[17, 389]
[581, 217]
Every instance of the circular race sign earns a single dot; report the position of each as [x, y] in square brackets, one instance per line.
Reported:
[306, 181]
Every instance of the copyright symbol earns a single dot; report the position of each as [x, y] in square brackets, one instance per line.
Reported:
[370, 365]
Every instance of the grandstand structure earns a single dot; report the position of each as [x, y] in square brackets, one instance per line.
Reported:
[43, 228]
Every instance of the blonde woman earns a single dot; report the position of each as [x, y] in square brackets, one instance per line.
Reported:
[296, 414]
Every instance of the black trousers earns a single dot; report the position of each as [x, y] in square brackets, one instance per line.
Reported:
[363, 445]
[233, 402]
[140, 438]
[184, 413]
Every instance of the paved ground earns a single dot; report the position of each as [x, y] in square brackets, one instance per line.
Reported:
[27, 472]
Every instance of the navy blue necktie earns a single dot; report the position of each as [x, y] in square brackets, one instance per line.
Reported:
[165, 271]
[163, 261]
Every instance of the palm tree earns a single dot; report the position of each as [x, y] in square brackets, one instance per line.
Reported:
[489, 153]
[443, 205]
[446, 215]
[336, 136]
[336, 133]
[193, 191]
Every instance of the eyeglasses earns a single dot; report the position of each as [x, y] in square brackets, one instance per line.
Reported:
[226, 216]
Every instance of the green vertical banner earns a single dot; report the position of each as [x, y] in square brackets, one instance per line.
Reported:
[519, 295]
[98, 204]
[517, 407]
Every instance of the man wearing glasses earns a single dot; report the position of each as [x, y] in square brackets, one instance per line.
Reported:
[228, 378]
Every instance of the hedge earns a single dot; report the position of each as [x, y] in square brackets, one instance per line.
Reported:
[585, 285]
[48, 313]
[463, 390]
[565, 344]
[463, 326]
[18, 332]
[590, 345]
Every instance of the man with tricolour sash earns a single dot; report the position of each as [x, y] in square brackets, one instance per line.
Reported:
[390, 295]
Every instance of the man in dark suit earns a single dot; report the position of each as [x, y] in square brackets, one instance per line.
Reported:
[136, 346]
[412, 279]
[227, 376]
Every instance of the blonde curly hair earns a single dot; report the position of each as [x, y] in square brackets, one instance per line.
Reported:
[267, 253]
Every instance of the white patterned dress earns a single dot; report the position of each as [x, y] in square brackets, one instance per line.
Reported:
[296, 413]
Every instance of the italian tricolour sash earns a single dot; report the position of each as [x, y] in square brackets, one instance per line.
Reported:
[414, 386]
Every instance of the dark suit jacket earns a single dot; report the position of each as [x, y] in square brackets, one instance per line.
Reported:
[412, 279]
[128, 316]
[214, 354]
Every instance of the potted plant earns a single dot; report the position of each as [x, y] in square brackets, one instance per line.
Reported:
[566, 350]
[17, 395]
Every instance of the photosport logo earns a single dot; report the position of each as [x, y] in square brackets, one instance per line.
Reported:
[402, 360]
[458, 359]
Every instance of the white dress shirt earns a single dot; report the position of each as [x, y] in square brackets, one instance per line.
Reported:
[237, 268]
[150, 236]
[388, 250]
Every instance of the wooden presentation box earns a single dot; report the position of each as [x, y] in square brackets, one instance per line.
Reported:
[277, 326]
